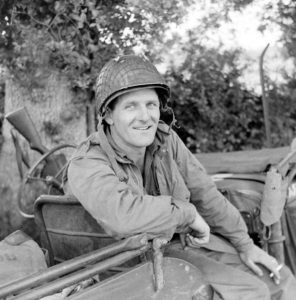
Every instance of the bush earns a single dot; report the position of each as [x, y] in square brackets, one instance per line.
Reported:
[215, 112]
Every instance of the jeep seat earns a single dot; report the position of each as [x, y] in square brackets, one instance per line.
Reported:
[67, 229]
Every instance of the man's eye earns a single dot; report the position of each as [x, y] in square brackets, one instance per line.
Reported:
[153, 104]
[130, 106]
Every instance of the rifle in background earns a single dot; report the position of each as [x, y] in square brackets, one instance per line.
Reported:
[22, 122]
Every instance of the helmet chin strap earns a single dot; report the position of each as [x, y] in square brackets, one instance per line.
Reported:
[170, 111]
[100, 118]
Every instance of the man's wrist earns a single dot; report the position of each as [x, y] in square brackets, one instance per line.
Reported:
[187, 212]
[245, 246]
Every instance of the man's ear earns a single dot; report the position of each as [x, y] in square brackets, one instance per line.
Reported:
[108, 117]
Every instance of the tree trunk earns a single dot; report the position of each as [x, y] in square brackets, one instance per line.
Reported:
[58, 120]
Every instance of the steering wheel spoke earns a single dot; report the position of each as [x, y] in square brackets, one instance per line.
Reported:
[44, 177]
[35, 178]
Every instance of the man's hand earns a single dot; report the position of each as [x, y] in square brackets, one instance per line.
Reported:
[256, 255]
[201, 234]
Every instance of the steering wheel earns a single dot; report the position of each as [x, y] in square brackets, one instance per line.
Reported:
[44, 177]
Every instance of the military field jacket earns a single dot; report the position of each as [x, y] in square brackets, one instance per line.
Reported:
[159, 202]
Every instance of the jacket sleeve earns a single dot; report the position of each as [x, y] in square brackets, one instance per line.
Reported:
[117, 208]
[219, 213]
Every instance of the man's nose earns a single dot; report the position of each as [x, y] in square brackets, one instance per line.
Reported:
[143, 114]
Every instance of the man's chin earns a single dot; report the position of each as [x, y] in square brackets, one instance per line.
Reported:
[143, 143]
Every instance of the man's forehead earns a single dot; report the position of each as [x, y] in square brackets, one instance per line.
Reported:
[139, 95]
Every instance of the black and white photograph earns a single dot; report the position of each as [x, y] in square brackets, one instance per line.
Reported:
[147, 150]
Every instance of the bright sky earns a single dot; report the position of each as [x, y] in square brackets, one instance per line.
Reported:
[246, 35]
[243, 32]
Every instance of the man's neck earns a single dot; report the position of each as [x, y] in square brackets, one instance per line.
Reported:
[137, 156]
[139, 160]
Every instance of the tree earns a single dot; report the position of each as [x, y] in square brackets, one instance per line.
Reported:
[282, 15]
[215, 111]
[184, 52]
[281, 95]
[77, 37]
[52, 52]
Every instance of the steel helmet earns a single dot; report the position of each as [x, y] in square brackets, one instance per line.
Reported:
[125, 73]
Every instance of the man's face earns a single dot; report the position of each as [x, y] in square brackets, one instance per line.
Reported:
[134, 119]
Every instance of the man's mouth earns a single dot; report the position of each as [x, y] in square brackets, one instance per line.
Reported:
[143, 127]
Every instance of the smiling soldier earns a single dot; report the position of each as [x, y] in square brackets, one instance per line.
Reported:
[134, 175]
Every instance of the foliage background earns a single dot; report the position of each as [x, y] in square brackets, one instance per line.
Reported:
[215, 110]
